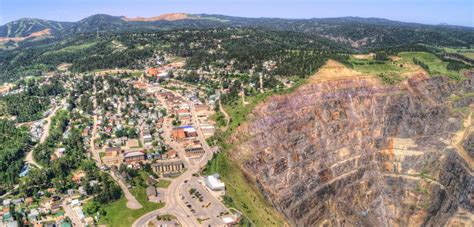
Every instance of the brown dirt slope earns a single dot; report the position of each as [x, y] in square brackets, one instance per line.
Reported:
[167, 17]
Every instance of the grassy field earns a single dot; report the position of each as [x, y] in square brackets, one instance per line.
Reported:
[403, 65]
[72, 48]
[163, 183]
[468, 54]
[119, 215]
[372, 67]
[436, 65]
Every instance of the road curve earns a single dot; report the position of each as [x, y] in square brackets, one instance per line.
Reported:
[173, 203]
[29, 156]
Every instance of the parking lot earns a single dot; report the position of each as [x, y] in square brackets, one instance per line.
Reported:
[205, 207]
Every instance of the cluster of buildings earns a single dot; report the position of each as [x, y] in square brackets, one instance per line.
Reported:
[161, 163]
[36, 130]
[115, 156]
[160, 72]
[76, 207]
[47, 212]
[162, 67]
[129, 122]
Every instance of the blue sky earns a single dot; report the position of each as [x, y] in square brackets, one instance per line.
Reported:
[457, 12]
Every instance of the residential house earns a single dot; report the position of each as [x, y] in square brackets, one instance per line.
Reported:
[33, 215]
[152, 156]
[77, 176]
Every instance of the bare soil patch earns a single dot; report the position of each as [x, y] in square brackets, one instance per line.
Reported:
[167, 17]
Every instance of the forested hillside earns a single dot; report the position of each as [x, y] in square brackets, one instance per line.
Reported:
[359, 32]
[26, 26]
[247, 49]
[103, 41]
[13, 144]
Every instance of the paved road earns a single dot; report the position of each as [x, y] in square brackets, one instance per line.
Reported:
[95, 152]
[71, 214]
[29, 156]
[132, 202]
[173, 203]
[10, 191]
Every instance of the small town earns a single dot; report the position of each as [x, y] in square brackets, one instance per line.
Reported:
[236, 113]
[146, 132]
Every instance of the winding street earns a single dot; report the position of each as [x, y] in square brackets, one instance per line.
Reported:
[173, 203]
[29, 156]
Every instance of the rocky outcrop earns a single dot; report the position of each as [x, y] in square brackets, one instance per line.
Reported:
[469, 145]
[351, 151]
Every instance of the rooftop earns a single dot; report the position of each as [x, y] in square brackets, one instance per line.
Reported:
[133, 153]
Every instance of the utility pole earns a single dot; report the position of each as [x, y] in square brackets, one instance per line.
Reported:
[97, 32]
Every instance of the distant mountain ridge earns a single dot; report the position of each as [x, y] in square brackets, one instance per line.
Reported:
[355, 31]
[167, 17]
[26, 26]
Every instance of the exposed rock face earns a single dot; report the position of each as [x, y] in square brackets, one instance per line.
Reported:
[469, 145]
[352, 151]
[166, 17]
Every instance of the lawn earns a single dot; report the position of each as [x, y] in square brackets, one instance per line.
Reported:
[163, 183]
[119, 215]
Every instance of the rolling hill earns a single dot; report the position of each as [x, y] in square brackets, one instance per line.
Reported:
[27, 26]
[360, 33]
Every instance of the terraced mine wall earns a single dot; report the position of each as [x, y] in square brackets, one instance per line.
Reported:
[353, 151]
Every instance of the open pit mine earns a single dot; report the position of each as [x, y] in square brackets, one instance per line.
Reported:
[345, 149]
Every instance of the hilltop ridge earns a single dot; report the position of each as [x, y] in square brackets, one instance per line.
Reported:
[166, 16]
[360, 33]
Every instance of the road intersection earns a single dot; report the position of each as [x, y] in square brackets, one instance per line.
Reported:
[174, 205]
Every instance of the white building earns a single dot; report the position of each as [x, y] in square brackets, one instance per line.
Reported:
[79, 213]
[75, 202]
[214, 182]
